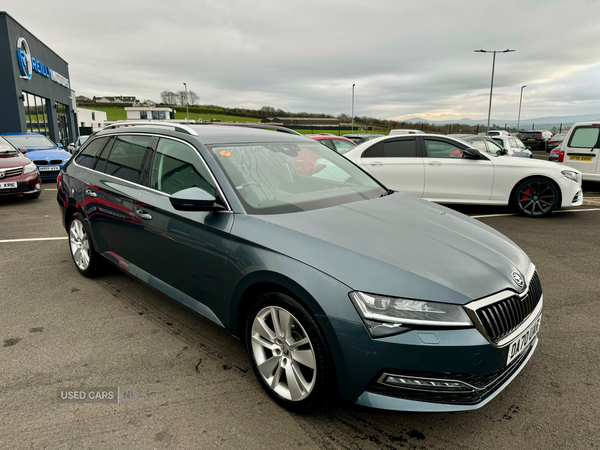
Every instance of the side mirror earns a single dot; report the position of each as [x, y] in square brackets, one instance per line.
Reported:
[471, 153]
[59, 145]
[195, 199]
[23, 150]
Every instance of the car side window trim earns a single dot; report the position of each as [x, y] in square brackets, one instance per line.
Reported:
[146, 184]
[223, 197]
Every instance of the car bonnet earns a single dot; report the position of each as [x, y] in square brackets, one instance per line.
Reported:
[396, 245]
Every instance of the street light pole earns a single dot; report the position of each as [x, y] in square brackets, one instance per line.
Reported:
[353, 108]
[187, 110]
[492, 85]
[520, 100]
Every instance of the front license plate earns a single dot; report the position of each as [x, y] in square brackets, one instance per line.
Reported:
[11, 185]
[49, 168]
[580, 158]
[520, 344]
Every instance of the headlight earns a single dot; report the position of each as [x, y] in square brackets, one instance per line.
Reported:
[402, 311]
[65, 160]
[29, 168]
[570, 175]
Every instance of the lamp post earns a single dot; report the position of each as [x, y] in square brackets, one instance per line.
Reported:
[492, 85]
[520, 100]
[187, 111]
[353, 108]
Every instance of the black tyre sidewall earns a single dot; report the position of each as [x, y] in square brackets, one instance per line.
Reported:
[325, 389]
[94, 266]
[515, 199]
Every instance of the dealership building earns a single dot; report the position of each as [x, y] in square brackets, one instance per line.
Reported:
[35, 91]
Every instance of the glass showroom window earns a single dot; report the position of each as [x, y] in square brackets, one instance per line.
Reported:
[36, 114]
[143, 114]
[158, 115]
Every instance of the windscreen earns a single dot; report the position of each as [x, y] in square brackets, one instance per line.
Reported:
[5, 146]
[32, 141]
[284, 177]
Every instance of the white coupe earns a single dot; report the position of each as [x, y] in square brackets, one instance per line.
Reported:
[446, 170]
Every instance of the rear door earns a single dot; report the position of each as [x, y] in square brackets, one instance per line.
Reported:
[450, 177]
[184, 250]
[109, 194]
[582, 148]
[397, 163]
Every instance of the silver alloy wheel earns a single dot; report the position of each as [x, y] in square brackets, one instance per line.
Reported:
[283, 353]
[80, 245]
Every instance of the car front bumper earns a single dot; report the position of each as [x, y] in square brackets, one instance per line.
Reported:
[462, 355]
[26, 184]
[571, 192]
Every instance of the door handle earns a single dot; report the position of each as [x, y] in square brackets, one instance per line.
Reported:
[434, 163]
[377, 163]
[91, 193]
[143, 214]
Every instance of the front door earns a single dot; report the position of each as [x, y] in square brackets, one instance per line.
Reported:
[182, 251]
[397, 164]
[450, 177]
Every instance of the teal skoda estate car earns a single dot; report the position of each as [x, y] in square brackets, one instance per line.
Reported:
[337, 285]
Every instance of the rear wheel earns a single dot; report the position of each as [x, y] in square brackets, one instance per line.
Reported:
[536, 197]
[84, 256]
[289, 355]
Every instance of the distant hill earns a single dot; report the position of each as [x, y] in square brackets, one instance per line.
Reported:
[539, 122]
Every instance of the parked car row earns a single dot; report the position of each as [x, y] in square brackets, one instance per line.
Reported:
[337, 284]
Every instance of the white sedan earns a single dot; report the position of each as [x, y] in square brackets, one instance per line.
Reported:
[446, 170]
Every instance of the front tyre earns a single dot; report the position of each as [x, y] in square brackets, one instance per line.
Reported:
[84, 256]
[289, 355]
[536, 197]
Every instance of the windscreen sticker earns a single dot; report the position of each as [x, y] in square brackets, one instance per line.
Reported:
[4, 147]
[225, 153]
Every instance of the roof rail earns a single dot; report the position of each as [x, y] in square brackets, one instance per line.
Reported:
[263, 126]
[153, 123]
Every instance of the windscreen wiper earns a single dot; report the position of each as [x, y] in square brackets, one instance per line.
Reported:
[388, 192]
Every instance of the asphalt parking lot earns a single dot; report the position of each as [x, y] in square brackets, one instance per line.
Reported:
[195, 387]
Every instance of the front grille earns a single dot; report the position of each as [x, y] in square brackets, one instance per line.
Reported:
[12, 172]
[55, 161]
[502, 318]
[485, 384]
[40, 162]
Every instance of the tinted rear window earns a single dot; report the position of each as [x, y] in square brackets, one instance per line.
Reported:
[126, 157]
[405, 148]
[533, 134]
[87, 157]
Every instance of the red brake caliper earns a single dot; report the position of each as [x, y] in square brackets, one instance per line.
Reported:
[526, 194]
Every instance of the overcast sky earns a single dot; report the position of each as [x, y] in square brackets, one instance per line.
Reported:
[407, 59]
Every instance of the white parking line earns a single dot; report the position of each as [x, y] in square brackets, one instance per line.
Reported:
[34, 239]
[554, 212]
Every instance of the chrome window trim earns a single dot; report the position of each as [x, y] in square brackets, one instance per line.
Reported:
[229, 209]
[471, 310]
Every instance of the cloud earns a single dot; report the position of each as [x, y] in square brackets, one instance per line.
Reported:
[405, 60]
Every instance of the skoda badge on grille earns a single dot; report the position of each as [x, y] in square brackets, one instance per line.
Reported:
[518, 279]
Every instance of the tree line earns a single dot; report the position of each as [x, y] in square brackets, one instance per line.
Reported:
[179, 98]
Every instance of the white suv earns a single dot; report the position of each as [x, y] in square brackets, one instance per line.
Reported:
[581, 149]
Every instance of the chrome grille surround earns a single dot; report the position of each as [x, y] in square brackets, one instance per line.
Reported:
[503, 316]
[12, 172]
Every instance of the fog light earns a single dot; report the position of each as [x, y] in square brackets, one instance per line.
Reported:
[38, 186]
[427, 384]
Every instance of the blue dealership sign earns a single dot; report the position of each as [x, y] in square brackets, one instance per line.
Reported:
[28, 65]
